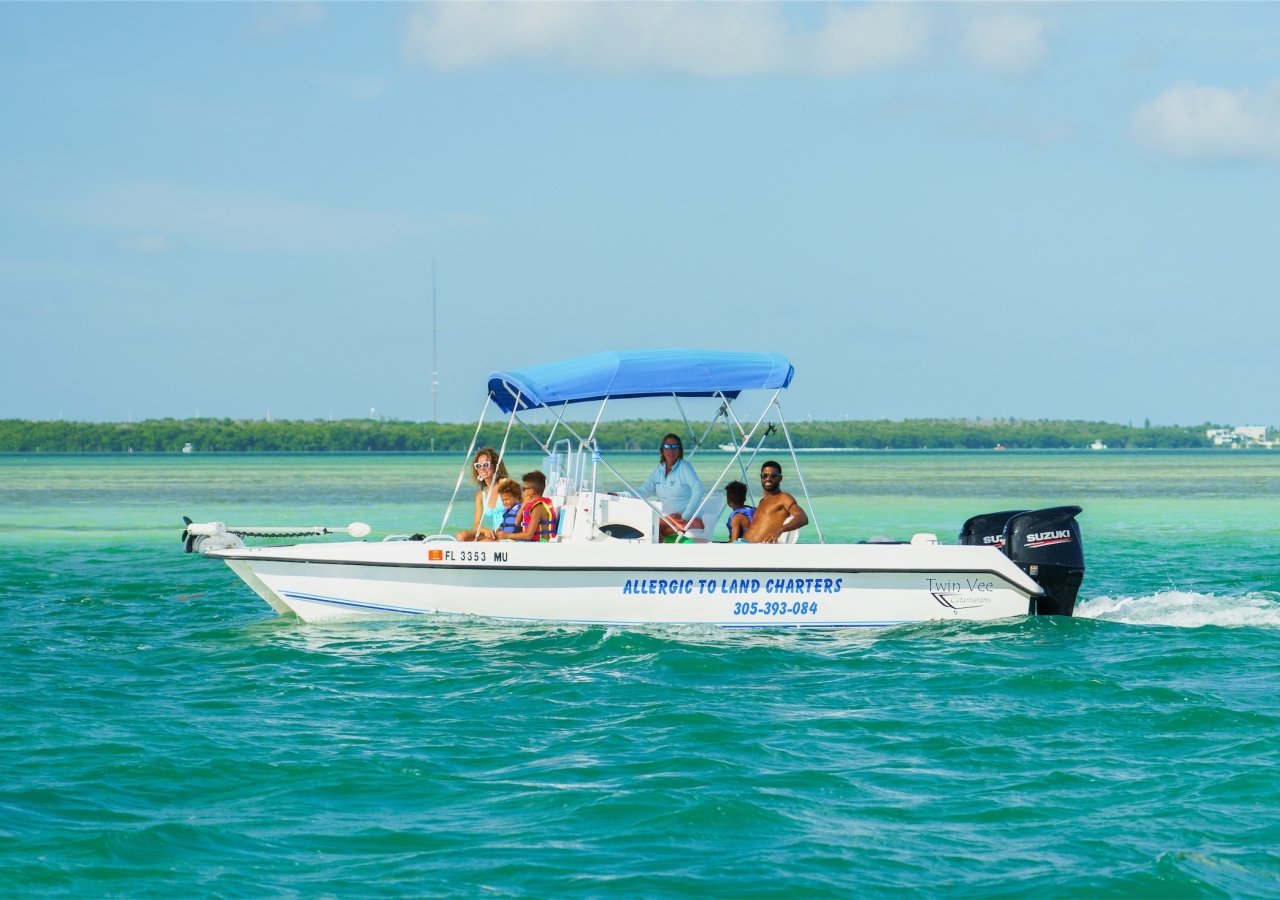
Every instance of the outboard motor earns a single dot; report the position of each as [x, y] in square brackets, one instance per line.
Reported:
[987, 530]
[1045, 543]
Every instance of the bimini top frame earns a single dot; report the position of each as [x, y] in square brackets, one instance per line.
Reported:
[635, 374]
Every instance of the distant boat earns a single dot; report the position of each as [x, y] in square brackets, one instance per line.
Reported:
[187, 448]
[1097, 445]
[728, 448]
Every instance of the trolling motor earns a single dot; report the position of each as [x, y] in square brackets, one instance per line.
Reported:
[1045, 543]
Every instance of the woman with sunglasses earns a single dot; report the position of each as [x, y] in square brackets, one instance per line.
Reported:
[489, 470]
[678, 488]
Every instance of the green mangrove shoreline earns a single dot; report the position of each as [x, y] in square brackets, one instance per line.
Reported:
[368, 435]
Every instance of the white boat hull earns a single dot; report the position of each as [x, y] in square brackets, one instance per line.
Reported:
[602, 562]
[620, 583]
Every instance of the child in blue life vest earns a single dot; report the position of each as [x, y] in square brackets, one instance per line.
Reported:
[735, 495]
[538, 517]
[509, 492]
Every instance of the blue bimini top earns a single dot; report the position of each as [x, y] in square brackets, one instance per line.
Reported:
[639, 373]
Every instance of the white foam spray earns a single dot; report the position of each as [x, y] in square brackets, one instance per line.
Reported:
[1184, 609]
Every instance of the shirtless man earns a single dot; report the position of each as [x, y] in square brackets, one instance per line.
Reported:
[774, 508]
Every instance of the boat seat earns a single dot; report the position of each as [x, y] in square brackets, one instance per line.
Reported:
[711, 513]
[567, 514]
[789, 537]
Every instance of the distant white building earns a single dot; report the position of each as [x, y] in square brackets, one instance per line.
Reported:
[1240, 436]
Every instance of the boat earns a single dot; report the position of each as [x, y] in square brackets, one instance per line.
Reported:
[606, 565]
[1097, 445]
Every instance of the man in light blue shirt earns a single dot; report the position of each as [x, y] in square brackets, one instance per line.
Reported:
[677, 486]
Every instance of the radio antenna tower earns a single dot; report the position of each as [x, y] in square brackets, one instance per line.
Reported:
[435, 373]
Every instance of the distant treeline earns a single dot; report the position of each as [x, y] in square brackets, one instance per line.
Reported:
[359, 435]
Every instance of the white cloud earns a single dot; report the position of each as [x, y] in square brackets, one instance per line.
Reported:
[702, 39]
[869, 37]
[1005, 43]
[276, 18]
[156, 216]
[1196, 122]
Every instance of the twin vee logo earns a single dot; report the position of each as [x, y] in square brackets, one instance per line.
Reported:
[1039, 539]
[966, 594]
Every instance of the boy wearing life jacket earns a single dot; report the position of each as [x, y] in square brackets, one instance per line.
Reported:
[509, 493]
[735, 496]
[538, 517]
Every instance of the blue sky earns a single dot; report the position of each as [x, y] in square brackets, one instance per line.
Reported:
[955, 210]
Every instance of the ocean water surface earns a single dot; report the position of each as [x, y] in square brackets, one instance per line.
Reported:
[165, 731]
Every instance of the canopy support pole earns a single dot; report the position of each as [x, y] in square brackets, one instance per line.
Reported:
[692, 434]
[808, 503]
[448, 510]
[738, 453]
[722, 411]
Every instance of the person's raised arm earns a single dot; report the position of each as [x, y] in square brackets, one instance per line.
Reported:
[798, 517]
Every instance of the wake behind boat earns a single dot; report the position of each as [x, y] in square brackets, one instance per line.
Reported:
[605, 565]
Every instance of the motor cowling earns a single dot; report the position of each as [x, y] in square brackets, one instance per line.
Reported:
[987, 530]
[1046, 544]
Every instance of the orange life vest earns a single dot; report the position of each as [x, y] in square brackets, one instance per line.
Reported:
[550, 522]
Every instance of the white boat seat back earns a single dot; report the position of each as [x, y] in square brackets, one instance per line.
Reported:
[711, 515]
[567, 514]
[789, 537]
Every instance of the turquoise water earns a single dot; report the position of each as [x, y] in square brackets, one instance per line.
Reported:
[165, 731]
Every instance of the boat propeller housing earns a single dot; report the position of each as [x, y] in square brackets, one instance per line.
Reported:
[1044, 543]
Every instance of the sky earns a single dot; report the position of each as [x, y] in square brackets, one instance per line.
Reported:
[302, 211]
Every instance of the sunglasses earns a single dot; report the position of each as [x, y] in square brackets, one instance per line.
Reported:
[484, 465]
[670, 446]
[770, 475]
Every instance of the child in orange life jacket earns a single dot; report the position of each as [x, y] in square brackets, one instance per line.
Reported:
[538, 518]
[509, 492]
